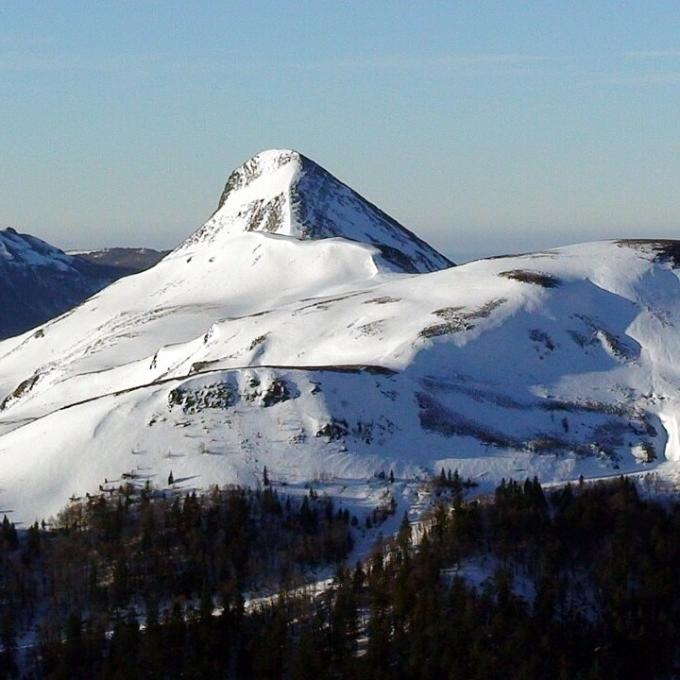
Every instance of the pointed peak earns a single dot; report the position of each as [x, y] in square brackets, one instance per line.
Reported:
[282, 192]
[262, 164]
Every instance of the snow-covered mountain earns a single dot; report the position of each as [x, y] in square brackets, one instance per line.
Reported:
[39, 281]
[290, 331]
[283, 192]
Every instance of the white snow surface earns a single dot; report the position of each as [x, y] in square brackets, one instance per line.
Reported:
[23, 250]
[297, 344]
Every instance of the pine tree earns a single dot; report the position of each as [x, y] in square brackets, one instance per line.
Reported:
[9, 534]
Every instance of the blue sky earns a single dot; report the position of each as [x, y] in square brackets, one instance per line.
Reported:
[485, 127]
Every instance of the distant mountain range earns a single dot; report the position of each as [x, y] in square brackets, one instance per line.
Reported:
[38, 281]
[303, 329]
[124, 261]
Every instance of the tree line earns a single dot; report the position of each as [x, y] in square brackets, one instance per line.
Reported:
[576, 582]
[140, 555]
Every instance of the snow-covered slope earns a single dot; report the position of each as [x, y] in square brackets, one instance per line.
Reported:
[295, 342]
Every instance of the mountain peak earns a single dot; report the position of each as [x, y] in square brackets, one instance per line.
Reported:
[26, 250]
[282, 192]
[265, 164]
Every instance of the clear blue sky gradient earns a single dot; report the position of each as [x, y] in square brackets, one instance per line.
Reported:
[486, 127]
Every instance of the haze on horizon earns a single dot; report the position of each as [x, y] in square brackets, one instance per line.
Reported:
[485, 127]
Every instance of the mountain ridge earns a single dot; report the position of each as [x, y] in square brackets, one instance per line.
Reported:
[39, 281]
[326, 363]
[125, 259]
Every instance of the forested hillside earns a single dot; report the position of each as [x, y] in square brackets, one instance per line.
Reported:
[577, 582]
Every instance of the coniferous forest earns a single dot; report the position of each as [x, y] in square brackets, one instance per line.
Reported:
[576, 582]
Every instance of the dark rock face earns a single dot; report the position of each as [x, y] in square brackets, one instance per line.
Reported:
[276, 393]
[536, 278]
[39, 281]
[665, 250]
[217, 396]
